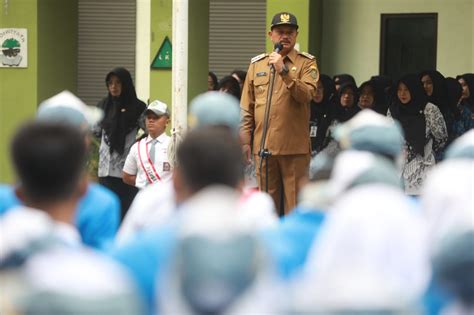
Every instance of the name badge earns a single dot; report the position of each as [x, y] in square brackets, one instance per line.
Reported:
[166, 167]
[261, 74]
[313, 131]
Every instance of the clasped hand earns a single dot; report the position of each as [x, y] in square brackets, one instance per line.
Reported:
[277, 61]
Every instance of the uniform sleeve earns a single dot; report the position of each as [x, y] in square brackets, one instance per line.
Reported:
[437, 127]
[131, 163]
[247, 108]
[98, 216]
[134, 218]
[302, 89]
[145, 257]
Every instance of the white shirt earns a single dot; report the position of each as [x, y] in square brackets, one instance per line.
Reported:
[153, 206]
[156, 205]
[161, 163]
[61, 267]
[257, 210]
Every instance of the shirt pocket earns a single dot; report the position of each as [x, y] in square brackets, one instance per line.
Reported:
[261, 88]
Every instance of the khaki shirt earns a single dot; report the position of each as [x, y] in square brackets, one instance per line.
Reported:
[288, 131]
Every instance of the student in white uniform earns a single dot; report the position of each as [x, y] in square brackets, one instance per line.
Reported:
[148, 162]
[155, 205]
[44, 269]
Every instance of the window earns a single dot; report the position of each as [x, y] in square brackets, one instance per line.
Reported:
[407, 43]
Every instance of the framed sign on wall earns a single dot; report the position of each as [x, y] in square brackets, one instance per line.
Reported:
[14, 44]
[163, 57]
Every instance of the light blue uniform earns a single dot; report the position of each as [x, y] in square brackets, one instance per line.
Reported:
[97, 218]
[145, 257]
[291, 240]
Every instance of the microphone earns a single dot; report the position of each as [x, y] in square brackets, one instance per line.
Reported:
[278, 47]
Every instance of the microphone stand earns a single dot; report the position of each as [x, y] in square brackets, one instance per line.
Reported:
[264, 153]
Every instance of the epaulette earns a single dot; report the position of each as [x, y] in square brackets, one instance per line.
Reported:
[309, 56]
[257, 58]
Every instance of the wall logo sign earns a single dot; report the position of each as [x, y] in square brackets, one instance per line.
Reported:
[163, 57]
[14, 48]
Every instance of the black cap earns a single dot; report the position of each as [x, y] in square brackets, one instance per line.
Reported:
[284, 18]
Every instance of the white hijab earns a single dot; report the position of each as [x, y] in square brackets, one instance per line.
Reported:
[371, 253]
[447, 199]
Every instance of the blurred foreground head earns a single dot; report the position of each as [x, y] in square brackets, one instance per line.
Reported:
[210, 155]
[49, 160]
[211, 275]
[66, 108]
[453, 267]
[462, 147]
[360, 255]
[215, 109]
[369, 131]
[447, 195]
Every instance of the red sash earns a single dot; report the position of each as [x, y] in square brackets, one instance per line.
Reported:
[147, 165]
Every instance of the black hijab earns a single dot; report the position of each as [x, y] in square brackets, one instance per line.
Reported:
[380, 102]
[469, 78]
[214, 80]
[411, 115]
[120, 114]
[321, 112]
[454, 93]
[340, 112]
[229, 85]
[440, 92]
[384, 83]
[341, 79]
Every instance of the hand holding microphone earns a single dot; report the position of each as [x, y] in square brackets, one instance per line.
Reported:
[275, 59]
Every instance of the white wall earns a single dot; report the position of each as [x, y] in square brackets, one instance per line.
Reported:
[351, 34]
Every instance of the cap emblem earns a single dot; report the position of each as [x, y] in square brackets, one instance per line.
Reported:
[284, 18]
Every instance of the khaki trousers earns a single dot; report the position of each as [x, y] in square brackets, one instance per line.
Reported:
[284, 175]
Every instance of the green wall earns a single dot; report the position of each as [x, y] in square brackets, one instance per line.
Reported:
[198, 47]
[351, 34]
[315, 29]
[161, 26]
[300, 8]
[52, 55]
[198, 38]
[57, 47]
[18, 88]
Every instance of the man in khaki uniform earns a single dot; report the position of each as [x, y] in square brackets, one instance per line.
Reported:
[287, 137]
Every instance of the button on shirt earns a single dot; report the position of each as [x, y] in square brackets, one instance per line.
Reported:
[161, 163]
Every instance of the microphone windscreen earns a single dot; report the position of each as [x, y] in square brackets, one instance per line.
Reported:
[278, 47]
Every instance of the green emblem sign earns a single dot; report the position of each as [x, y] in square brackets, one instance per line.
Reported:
[13, 48]
[163, 57]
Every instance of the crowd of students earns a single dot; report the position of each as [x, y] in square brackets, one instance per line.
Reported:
[431, 109]
[204, 242]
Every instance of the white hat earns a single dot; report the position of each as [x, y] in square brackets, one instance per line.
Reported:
[65, 107]
[370, 131]
[462, 147]
[215, 108]
[159, 108]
